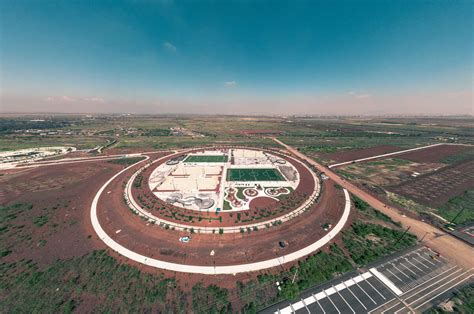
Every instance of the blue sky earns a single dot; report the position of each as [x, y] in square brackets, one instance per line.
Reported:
[220, 56]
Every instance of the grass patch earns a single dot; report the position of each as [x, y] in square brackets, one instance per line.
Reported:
[464, 202]
[462, 156]
[59, 287]
[40, 221]
[126, 161]
[226, 206]
[369, 242]
[211, 299]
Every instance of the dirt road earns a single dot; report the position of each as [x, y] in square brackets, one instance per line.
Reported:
[438, 240]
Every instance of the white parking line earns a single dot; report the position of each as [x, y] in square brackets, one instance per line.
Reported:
[457, 283]
[430, 268]
[332, 302]
[411, 271]
[355, 296]
[439, 287]
[402, 271]
[305, 306]
[398, 303]
[430, 262]
[365, 292]
[345, 301]
[421, 263]
[324, 312]
[395, 275]
[386, 281]
[414, 265]
[433, 278]
[376, 290]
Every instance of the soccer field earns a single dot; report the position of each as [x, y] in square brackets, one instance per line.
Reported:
[252, 174]
[206, 158]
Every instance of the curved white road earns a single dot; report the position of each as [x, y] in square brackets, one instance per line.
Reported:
[211, 270]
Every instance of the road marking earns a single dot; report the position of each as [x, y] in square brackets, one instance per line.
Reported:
[324, 312]
[457, 283]
[386, 281]
[345, 301]
[327, 296]
[414, 265]
[376, 290]
[355, 296]
[425, 260]
[365, 292]
[395, 275]
[292, 309]
[422, 264]
[305, 306]
[411, 271]
[434, 277]
[402, 271]
[467, 271]
[399, 302]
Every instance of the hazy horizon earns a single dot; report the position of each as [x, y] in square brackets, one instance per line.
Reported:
[345, 58]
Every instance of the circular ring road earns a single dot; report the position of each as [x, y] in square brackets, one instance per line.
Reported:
[210, 270]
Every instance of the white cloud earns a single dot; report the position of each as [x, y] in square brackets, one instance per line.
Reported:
[169, 46]
[231, 83]
[69, 99]
[360, 95]
[95, 99]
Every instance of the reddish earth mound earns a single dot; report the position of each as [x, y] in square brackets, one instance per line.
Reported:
[434, 154]
[360, 153]
[262, 202]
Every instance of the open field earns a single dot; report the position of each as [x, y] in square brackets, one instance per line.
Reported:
[44, 228]
[45, 219]
[385, 172]
[436, 188]
[439, 154]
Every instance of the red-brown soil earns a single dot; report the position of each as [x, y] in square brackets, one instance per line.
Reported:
[63, 194]
[434, 154]
[353, 154]
[68, 233]
[157, 242]
[436, 188]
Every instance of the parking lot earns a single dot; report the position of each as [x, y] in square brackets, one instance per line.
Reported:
[416, 277]
[412, 269]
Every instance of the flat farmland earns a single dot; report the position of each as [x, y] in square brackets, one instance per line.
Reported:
[386, 172]
[353, 154]
[436, 188]
[440, 153]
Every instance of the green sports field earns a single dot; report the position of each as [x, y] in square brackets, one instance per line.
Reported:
[252, 174]
[206, 158]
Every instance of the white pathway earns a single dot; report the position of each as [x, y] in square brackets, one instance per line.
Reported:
[384, 155]
[211, 270]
